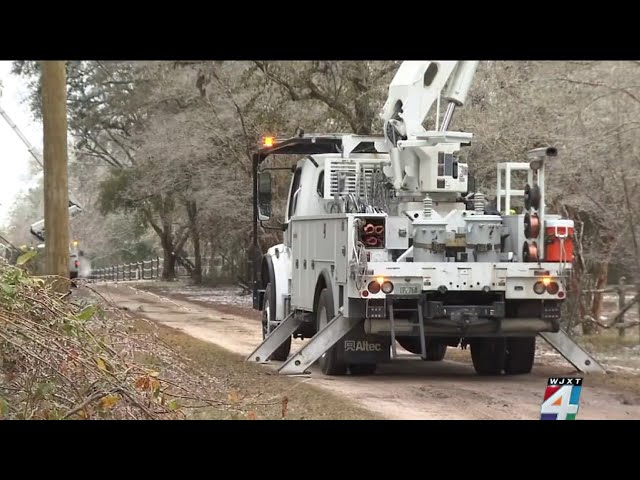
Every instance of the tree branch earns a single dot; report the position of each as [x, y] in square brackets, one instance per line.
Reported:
[149, 217]
[603, 85]
[238, 111]
[332, 103]
[264, 68]
[122, 147]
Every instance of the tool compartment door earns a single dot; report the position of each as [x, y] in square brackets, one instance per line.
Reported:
[318, 244]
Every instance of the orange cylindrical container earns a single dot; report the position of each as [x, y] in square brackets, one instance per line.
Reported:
[558, 243]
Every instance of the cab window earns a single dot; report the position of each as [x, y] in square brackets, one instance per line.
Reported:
[320, 188]
[294, 188]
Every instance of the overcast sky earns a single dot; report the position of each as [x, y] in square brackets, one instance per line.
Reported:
[14, 156]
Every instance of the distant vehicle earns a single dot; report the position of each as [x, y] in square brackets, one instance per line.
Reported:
[37, 229]
[75, 260]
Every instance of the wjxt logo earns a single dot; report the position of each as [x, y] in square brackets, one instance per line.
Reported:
[361, 346]
[565, 381]
[561, 399]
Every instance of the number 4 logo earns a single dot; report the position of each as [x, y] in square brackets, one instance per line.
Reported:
[562, 404]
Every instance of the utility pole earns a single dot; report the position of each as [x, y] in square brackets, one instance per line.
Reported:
[56, 180]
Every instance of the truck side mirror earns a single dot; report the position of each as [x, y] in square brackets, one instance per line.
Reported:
[264, 196]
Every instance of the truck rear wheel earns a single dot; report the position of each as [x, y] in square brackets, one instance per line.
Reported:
[488, 355]
[436, 350]
[268, 313]
[330, 362]
[520, 355]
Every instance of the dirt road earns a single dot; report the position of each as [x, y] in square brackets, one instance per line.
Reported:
[407, 389]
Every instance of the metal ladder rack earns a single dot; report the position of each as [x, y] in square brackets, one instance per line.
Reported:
[423, 342]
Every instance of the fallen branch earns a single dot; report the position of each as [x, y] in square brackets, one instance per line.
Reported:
[86, 403]
[622, 326]
[613, 322]
[58, 359]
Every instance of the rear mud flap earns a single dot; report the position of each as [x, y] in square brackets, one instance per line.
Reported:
[361, 348]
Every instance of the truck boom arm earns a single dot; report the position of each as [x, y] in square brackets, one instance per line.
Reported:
[15, 128]
[32, 150]
[416, 86]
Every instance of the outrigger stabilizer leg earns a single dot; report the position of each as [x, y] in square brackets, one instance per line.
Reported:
[276, 338]
[572, 352]
[321, 342]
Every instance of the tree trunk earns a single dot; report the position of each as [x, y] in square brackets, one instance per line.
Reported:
[197, 271]
[212, 258]
[601, 276]
[169, 264]
[56, 191]
[192, 211]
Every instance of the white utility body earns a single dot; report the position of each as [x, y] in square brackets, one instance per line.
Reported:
[386, 240]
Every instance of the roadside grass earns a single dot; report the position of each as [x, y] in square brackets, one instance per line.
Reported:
[272, 396]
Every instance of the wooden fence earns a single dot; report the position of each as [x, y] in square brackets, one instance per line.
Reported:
[144, 270]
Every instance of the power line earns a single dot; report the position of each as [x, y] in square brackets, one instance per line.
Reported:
[24, 139]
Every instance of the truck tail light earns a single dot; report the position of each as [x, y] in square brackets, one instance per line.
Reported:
[553, 288]
[539, 288]
[374, 287]
[387, 287]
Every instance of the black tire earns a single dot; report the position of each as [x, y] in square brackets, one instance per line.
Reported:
[269, 311]
[488, 355]
[521, 352]
[331, 362]
[363, 368]
[436, 350]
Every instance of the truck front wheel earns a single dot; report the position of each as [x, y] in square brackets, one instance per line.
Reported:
[269, 313]
[330, 362]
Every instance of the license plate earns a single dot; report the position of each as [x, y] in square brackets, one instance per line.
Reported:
[408, 290]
